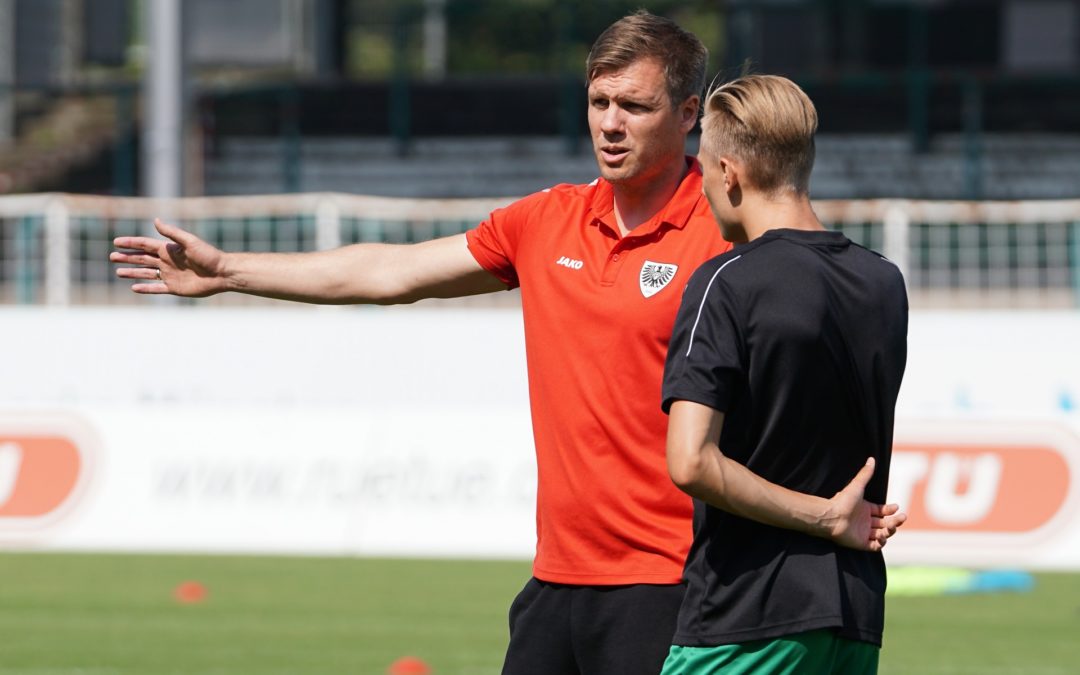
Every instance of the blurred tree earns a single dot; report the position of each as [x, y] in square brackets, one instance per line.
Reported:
[508, 37]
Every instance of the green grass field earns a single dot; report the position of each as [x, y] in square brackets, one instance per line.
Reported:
[64, 614]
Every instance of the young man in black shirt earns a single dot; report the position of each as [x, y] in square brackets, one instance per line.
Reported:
[784, 366]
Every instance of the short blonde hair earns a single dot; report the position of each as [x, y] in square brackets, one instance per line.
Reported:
[768, 122]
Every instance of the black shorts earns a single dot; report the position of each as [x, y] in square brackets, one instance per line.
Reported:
[556, 629]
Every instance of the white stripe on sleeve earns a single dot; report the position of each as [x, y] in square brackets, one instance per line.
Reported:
[703, 298]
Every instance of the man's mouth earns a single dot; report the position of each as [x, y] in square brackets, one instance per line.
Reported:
[613, 153]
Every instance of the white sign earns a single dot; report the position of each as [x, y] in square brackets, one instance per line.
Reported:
[406, 432]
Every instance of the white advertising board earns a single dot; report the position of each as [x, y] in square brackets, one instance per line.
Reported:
[406, 432]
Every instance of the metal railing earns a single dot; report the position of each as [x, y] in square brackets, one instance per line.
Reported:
[54, 247]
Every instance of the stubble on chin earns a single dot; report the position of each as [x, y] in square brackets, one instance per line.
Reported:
[620, 175]
[613, 177]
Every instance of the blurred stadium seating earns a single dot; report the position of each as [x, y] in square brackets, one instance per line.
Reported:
[865, 166]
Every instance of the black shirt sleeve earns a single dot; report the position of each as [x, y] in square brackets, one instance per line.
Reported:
[704, 362]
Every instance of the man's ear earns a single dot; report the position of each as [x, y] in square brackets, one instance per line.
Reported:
[690, 109]
[731, 170]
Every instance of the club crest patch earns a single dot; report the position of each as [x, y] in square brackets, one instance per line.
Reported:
[654, 276]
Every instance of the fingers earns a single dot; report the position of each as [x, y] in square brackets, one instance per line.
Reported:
[861, 479]
[148, 255]
[895, 521]
[881, 529]
[182, 237]
[888, 517]
[138, 273]
[134, 259]
[882, 510]
[880, 537]
[885, 520]
[890, 522]
[150, 289]
[146, 244]
[152, 244]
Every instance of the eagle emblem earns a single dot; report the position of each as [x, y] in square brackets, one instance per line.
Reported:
[654, 276]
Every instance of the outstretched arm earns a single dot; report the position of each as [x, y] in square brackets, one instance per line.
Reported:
[700, 469]
[182, 264]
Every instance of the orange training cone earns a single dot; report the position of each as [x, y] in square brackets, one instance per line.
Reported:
[190, 592]
[409, 665]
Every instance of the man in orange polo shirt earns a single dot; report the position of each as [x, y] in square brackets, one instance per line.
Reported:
[601, 269]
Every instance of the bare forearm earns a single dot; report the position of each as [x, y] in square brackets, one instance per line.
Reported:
[699, 468]
[363, 273]
[352, 274]
[182, 264]
[728, 485]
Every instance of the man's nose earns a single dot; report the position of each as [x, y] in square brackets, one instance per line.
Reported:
[613, 120]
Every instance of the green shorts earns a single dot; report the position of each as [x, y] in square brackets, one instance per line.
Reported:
[818, 652]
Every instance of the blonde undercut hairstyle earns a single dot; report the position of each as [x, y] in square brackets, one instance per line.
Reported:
[643, 35]
[768, 123]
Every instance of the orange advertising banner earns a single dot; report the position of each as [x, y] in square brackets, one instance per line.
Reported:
[45, 466]
[980, 487]
[985, 491]
[37, 474]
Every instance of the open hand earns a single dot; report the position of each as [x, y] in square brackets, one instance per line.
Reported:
[181, 264]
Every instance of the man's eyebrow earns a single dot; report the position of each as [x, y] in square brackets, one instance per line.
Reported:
[637, 99]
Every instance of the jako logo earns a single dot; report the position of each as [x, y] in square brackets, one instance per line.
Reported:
[570, 262]
[1014, 483]
[43, 468]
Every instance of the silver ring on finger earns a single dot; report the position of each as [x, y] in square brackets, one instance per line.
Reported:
[158, 272]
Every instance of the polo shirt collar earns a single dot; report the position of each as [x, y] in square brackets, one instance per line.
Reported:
[676, 213]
